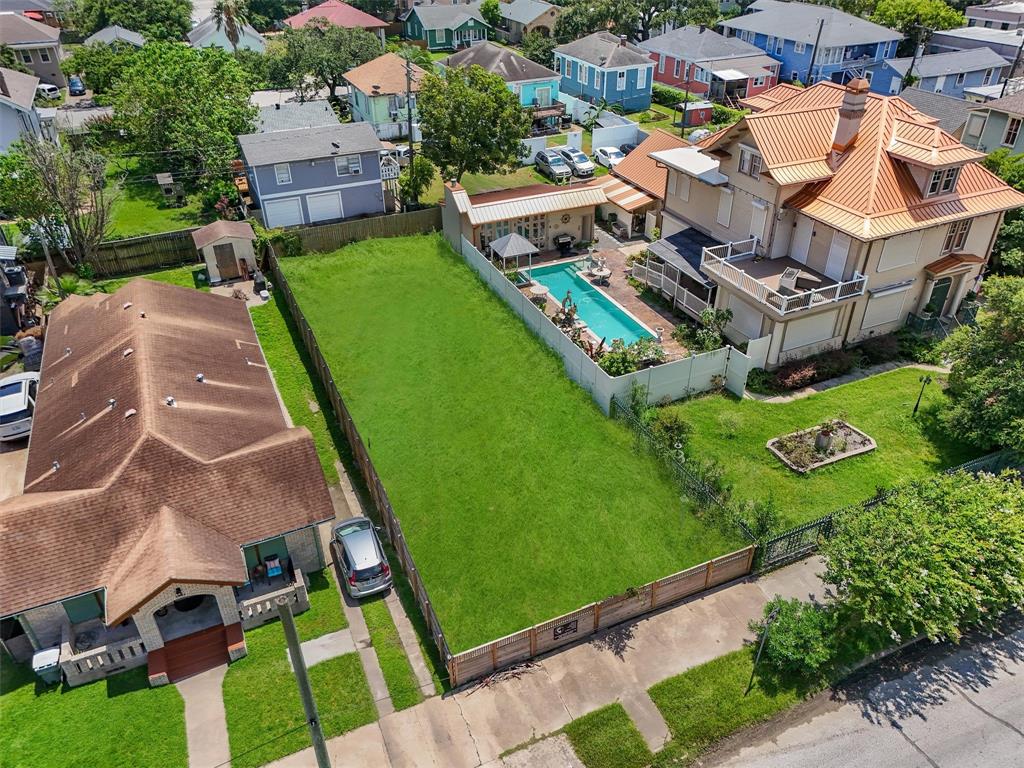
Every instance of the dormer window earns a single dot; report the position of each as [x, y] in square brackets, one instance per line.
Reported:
[943, 182]
[750, 163]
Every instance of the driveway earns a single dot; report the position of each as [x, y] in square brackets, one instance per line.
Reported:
[13, 457]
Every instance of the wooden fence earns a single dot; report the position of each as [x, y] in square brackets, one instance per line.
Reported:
[329, 237]
[140, 254]
[589, 619]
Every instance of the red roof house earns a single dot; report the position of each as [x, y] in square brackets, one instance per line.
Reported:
[340, 15]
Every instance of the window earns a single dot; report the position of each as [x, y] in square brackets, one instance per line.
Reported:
[868, 74]
[351, 165]
[675, 68]
[799, 47]
[769, 43]
[779, 43]
[794, 76]
[956, 236]
[975, 124]
[283, 172]
[558, 64]
[750, 163]
[990, 76]
[942, 182]
[940, 83]
[44, 56]
[1012, 132]
[831, 55]
[661, 63]
[641, 78]
[568, 68]
[26, 57]
[620, 81]
[960, 78]
[758, 81]
[597, 79]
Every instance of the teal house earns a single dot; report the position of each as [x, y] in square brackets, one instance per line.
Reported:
[997, 124]
[383, 93]
[446, 27]
[535, 84]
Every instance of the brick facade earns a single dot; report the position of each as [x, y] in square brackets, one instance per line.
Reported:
[304, 550]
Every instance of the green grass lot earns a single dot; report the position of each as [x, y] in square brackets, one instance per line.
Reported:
[140, 210]
[607, 738]
[110, 723]
[187, 276]
[398, 674]
[519, 499]
[909, 447]
[264, 713]
[475, 183]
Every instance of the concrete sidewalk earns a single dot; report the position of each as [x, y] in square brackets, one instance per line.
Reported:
[474, 726]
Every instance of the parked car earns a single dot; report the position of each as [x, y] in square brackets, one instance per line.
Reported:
[364, 567]
[551, 164]
[75, 86]
[580, 164]
[47, 91]
[402, 152]
[627, 148]
[17, 405]
[609, 157]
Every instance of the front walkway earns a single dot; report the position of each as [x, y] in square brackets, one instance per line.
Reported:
[474, 726]
[206, 728]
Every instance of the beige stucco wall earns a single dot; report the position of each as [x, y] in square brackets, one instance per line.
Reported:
[580, 224]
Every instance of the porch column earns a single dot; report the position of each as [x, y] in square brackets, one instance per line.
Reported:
[926, 295]
[145, 622]
[964, 285]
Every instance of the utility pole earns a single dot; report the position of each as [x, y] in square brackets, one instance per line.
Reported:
[918, 49]
[291, 635]
[408, 114]
[814, 52]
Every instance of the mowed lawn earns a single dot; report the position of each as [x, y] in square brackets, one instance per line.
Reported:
[519, 499]
[909, 447]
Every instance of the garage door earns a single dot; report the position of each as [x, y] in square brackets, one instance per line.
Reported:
[282, 213]
[884, 309]
[745, 318]
[324, 207]
[810, 330]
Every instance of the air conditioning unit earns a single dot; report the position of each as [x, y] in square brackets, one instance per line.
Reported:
[787, 281]
[394, 114]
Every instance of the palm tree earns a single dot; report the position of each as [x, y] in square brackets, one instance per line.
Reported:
[232, 16]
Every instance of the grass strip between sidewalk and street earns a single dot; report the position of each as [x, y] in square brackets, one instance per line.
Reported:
[394, 664]
[607, 738]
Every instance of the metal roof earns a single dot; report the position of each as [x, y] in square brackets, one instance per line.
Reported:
[308, 143]
[527, 201]
[512, 246]
[623, 194]
[801, 21]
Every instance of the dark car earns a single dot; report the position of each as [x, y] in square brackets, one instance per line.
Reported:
[75, 86]
[627, 148]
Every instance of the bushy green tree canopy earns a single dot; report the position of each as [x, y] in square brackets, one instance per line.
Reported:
[539, 48]
[100, 64]
[319, 54]
[490, 10]
[916, 19]
[1008, 254]
[155, 19]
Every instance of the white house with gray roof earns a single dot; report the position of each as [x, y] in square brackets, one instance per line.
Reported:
[605, 66]
[445, 27]
[206, 34]
[116, 34]
[314, 175]
[18, 116]
[946, 73]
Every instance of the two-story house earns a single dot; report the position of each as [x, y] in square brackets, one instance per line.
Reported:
[703, 62]
[603, 66]
[997, 124]
[18, 116]
[445, 27]
[1005, 42]
[838, 213]
[383, 91]
[946, 73]
[314, 175]
[36, 45]
[534, 84]
[999, 14]
[814, 42]
[520, 17]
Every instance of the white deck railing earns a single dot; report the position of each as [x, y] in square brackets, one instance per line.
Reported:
[721, 261]
[659, 277]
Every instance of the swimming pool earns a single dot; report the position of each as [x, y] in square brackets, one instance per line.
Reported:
[602, 315]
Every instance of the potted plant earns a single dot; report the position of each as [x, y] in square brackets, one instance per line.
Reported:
[825, 437]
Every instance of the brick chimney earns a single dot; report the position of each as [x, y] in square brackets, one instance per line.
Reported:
[850, 114]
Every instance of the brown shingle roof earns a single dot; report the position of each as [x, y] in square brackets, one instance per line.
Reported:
[167, 493]
[214, 231]
[642, 170]
[388, 72]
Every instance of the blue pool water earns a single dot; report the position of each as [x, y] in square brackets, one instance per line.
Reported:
[601, 315]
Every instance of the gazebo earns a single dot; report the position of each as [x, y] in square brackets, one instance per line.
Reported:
[513, 246]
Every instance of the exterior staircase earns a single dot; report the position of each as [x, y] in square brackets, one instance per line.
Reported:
[189, 655]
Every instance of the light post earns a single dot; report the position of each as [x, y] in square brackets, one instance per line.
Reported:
[764, 637]
[925, 381]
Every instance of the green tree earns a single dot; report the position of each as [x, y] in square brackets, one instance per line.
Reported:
[800, 639]
[539, 48]
[415, 178]
[698, 12]
[231, 16]
[100, 64]
[181, 108]
[1008, 253]
[490, 10]
[418, 56]
[155, 19]
[23, 198]
[382, 9]
[8, 60]
[471, 122]
[324, 52]
[986, 381]
[933, 559]
[581, 17]
[916, 19]
[263, 14]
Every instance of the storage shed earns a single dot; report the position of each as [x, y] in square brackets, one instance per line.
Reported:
[226, 247]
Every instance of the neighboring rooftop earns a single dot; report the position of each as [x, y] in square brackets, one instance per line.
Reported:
[16, 29]
[603, 49]
[644, 171]
[949, 63]
[436, 16]
[337, 13]
[984, 34]
[18, 88]
[1012, 104]
[698, 44]
[207, 28]
[292, 115]
[950, 112]
[532, 200]
[116, 34]
[525, 11]
[384, 76]
[801, 22]
[502, 61]
[308, 143]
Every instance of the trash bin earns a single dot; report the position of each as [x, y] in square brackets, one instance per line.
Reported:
[46, 664]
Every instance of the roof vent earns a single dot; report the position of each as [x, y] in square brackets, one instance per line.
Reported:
[171, 401]
[126, 305]
[200, 378]
[129, 413]
[67, 351]
[142, 313]
[277, 105]
[127, 352]
[81, 415]
[112, 402]
[56, 465]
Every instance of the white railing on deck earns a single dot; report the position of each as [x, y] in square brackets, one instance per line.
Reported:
[721, 261]
[654, 275]
[260, 609]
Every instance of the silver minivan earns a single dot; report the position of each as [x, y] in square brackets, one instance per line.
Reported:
[364, 567]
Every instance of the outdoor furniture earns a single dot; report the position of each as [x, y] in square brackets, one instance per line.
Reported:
[539, 290]
[601, 274]
[273, 563]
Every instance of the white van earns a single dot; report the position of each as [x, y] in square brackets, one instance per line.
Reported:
[17, 405]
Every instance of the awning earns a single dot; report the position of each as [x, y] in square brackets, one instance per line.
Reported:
[623, 194]
[729, 74]
[693, 162]
[683, 251]
[512, 246]
[953, 262]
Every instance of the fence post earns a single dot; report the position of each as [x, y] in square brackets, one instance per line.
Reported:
[707, 574]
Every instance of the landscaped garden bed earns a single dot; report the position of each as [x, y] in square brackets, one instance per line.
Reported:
[826, 443]
[519, 500]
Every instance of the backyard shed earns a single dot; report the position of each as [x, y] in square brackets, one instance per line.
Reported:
[226, 247]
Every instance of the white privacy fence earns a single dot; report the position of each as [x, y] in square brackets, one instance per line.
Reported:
[535, 144]
[726, 367]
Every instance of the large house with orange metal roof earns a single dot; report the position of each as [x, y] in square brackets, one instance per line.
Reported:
[838, 215]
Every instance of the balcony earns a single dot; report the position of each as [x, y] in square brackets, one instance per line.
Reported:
[257, 603]
[782, 285]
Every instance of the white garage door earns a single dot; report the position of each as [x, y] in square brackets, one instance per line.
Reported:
[282, 213]
[745, 318]
[324, 206]
[810, 330]
[884, 309]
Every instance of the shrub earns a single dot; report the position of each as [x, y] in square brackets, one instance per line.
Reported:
[880, 349]
[796, 374]
[836, 362]
[213, 192]
[620, 359]
[917, 347]
[760, 381]
[761, 517]
[799, 639]
[670, 429]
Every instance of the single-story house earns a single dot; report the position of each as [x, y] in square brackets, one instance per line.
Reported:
[36, 45]
[539, 212]
[116, 34]
[339, 14]
[314, 175]
[18, 115]
[206, 34]
[520, 17]
[226, 247]
[951, 113]
[167, 499]
[603, 66]
[289, 115]
[947, 73]
[445, 27]
[383, 93]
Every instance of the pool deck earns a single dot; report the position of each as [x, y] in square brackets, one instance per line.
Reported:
[619, 289]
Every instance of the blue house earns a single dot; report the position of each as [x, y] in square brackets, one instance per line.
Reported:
[603, 66]
[946, 73]
[814, 42]
[534, 84]
[313, 175]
